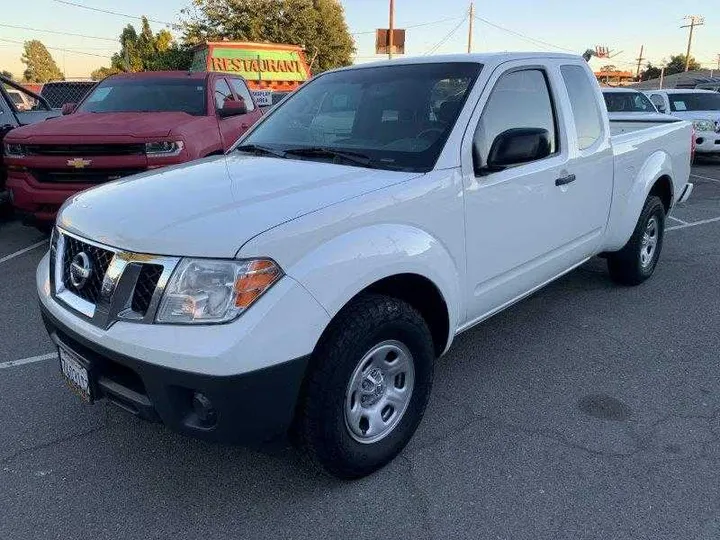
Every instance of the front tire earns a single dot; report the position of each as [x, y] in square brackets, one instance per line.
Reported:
[637, 260]
[367, 387]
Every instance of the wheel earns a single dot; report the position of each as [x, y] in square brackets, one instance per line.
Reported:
[637, 260]
[367, 387]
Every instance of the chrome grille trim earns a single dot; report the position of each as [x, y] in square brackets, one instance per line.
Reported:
[114, 301]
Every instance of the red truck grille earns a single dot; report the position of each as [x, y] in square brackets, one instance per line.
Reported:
[81, 176]
[84, 150]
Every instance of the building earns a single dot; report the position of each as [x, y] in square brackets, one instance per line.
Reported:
[265, 66]
[615, 77]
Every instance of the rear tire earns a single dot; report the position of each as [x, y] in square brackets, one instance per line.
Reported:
[637, 260]
[367, 387]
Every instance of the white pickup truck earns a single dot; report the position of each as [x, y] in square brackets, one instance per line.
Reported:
[305, 282]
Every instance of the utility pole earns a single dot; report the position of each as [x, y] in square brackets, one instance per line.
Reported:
[640, 59]
[391, 28]
[695, 20]
[662, 76]
[470, 30]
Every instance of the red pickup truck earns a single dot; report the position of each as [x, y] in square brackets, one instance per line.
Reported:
[129, 123]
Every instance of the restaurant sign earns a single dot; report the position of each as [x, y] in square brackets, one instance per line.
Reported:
[255, 61]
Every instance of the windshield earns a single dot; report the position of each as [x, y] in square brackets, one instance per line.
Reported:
[700, 101]
[399, 117]
[628, 102]
[147, 95]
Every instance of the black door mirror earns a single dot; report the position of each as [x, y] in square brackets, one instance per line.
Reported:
[516, 146]
[661, 107]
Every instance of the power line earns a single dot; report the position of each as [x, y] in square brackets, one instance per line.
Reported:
[56, 32]
[446, 38]
[410, 26]
[107, 11]
[523, 36]
[73, 51]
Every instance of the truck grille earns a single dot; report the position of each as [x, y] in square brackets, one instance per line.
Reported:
[99, 262]
[85, 275]
[81, 176]
[145, 287]
[85, 150]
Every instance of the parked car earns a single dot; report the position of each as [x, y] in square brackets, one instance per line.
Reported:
[293, 286]
[18, 107]
[58, 93]
[129, 123]
[630, 110]
[701, 107]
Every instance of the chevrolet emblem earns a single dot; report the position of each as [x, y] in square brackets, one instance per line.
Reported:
[78, 163]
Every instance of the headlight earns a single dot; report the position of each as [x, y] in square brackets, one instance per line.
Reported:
[13, 150]
[704, 125]
[163, 148]
[215, 291]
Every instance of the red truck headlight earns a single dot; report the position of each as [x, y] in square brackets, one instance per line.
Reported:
[164, 148]
[14, 150]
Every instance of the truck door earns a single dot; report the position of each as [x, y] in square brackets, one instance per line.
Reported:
[231, 126]
[522, 225]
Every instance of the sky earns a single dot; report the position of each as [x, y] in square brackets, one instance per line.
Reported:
[551, 25]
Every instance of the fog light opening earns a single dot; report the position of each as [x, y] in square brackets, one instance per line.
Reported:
[204, 409]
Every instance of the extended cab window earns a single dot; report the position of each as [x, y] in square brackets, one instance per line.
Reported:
[520, 99]
[241, 90]
[584, 106]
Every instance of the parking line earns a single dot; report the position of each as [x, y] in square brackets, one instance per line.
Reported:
[703, 222]
[21, 251]
[705, 178]
[31, 360]
[678, 220]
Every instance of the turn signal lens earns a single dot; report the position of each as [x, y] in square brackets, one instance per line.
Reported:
[258, 278]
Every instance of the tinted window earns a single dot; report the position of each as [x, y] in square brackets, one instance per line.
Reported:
[384, 113]
[627, 102]
[520, 99]
[694, 102]
[584, 107]
[222, 93]
[241, 90]
[147, 95]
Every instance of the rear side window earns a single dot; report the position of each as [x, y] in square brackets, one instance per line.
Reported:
[584, 105]
[241, 90]
[520, 99]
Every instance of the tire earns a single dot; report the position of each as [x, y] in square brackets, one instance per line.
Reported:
[343, 384]
[636, 261]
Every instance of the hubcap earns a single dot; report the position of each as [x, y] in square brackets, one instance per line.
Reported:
[379, 391]
[649, 242]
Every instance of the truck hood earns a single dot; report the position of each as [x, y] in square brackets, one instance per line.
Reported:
[141, 125]
[211, 207]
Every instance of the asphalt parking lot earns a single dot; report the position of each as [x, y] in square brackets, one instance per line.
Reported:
[588, 411]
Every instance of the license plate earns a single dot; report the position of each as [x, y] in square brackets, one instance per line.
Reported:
[75, 373]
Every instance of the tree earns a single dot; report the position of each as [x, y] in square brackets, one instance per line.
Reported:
[677, 64]
[5, 73]
[317, 25]
[146, 51]
[650, 72]
[101, 73]
[41, 67]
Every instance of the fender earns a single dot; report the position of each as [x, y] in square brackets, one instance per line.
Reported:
[630, 195]
[337, 270]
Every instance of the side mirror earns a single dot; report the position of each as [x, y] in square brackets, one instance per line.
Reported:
[68, 108]
[232, 108]
[661, 108]
[516, 146]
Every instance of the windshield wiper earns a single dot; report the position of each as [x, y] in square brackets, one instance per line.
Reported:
[260, 150]
[321, 151]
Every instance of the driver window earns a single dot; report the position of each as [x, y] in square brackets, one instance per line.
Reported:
[520, 99]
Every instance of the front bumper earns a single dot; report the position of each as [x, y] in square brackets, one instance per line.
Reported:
[707, 142]
[39, 201]
[252, 407]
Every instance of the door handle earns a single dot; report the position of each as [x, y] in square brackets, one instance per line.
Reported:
[565, 180]
[244, 125]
